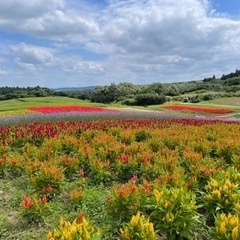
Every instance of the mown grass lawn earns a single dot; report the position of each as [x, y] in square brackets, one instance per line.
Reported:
[22, 103]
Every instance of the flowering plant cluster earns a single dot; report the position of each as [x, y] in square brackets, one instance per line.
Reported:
[174, 212]
[80, 228]
[34, 208]
[56, 109]
[199, 109]
[139, 228]
[222, 197]
[114, 169]
[227, 227]
[125, 201]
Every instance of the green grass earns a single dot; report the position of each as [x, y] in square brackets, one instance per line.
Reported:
[13, 226]
[22, 103]
[230, 102]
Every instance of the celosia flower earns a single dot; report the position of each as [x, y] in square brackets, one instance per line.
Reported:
[26, 202]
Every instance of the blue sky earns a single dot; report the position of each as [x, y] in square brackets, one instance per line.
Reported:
[75, 43]
[231, 7]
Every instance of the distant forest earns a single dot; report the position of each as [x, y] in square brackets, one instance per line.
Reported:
[129, 94]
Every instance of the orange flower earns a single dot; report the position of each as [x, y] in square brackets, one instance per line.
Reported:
[80, 217]
[26, 202]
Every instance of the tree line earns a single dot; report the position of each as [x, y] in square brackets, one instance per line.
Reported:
[7, 93]
[129, 94]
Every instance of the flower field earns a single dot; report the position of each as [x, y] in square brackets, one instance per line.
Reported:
[120, 179]
[198, 109]
[61, 109]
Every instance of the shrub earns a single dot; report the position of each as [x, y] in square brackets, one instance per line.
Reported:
[76, 196]
[47, 180]
[129, 102]
[34, 208]
[227, 227]
[149, 99]
[222, 192]
[142, 136]
[125, 201]
[174, 212]
[208, 97]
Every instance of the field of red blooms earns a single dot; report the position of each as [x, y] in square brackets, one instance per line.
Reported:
[61, 109]
[198, 109]
[120, 179]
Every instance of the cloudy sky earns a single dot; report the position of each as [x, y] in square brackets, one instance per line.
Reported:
[75, 43]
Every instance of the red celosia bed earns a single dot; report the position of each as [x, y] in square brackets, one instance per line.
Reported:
[198, 109]
[58, 109]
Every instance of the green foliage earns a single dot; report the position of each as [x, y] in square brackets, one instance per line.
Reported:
[174, 212]
[17, 92]
[142, 95]
[231, 75]
[114, 92]
[145, 99]
[142, 136]
[129, 102]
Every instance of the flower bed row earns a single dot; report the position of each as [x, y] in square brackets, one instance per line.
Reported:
[61, 109]
[199, 109]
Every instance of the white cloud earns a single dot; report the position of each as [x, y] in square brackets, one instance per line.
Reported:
[26, 66]
[77, 65]
[152, 40]
[24, 9]
[31, 56]
[48, 20]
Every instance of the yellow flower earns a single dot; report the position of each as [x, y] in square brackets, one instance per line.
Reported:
[135, 220]
[237, 207]
[62, 222]
[125, 233]
[217, 194]
[49, 235]
[167, 204]
[229, 184]
[167, 217]
[222, 228]
[235, 234]
[214, 183]
[234, 221]
[158, 195]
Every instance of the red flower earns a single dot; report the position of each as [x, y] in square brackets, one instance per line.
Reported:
[121, 192]
[80, 217]
[198, 109]
[26, 202]
[57, 109]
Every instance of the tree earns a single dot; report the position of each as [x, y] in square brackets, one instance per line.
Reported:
[149, 99]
